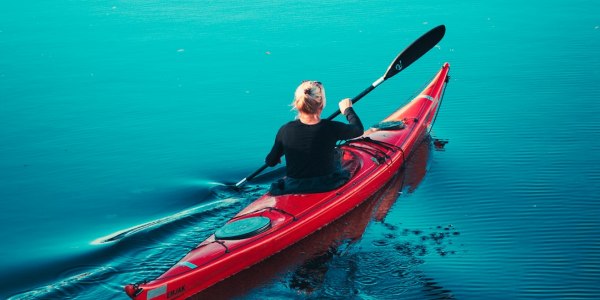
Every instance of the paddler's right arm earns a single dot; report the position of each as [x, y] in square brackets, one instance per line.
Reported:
[274, 157]
[355, 127]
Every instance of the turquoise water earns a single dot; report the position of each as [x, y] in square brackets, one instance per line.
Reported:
[115, 114]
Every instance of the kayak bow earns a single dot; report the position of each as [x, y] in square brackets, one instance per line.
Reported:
[273, 223]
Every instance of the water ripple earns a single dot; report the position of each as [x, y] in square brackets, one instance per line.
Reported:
[76, 280]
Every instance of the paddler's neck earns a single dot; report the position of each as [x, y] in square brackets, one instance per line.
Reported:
[309, 119]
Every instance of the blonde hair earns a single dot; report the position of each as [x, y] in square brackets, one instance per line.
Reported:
[309, 97]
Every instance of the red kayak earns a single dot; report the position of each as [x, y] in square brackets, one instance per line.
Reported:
[273, 223]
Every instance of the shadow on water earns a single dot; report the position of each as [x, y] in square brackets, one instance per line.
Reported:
[333, 262]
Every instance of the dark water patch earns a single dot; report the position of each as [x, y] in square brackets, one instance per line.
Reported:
[391, 227]
[380, 243]
[375, 275]
[310, 275]
[417, 242]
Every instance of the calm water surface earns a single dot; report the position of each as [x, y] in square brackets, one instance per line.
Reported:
[116, 114]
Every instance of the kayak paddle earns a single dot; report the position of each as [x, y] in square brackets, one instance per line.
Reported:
[409, 55]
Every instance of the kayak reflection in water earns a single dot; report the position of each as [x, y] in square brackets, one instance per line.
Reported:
[308, 143]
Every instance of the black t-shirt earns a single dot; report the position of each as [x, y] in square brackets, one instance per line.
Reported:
[310, 149]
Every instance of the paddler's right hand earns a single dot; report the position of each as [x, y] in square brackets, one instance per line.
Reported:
[344, 104]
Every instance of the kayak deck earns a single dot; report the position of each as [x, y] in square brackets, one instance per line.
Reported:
[373, 159]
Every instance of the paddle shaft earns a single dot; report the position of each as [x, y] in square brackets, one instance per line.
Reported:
[252, 175]
[358, 97]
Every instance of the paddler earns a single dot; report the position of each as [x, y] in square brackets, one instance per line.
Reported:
[308, 143]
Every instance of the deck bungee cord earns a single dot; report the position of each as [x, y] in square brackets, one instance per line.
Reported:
[378, 154]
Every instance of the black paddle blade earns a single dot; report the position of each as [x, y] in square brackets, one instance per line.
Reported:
[415, 50]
